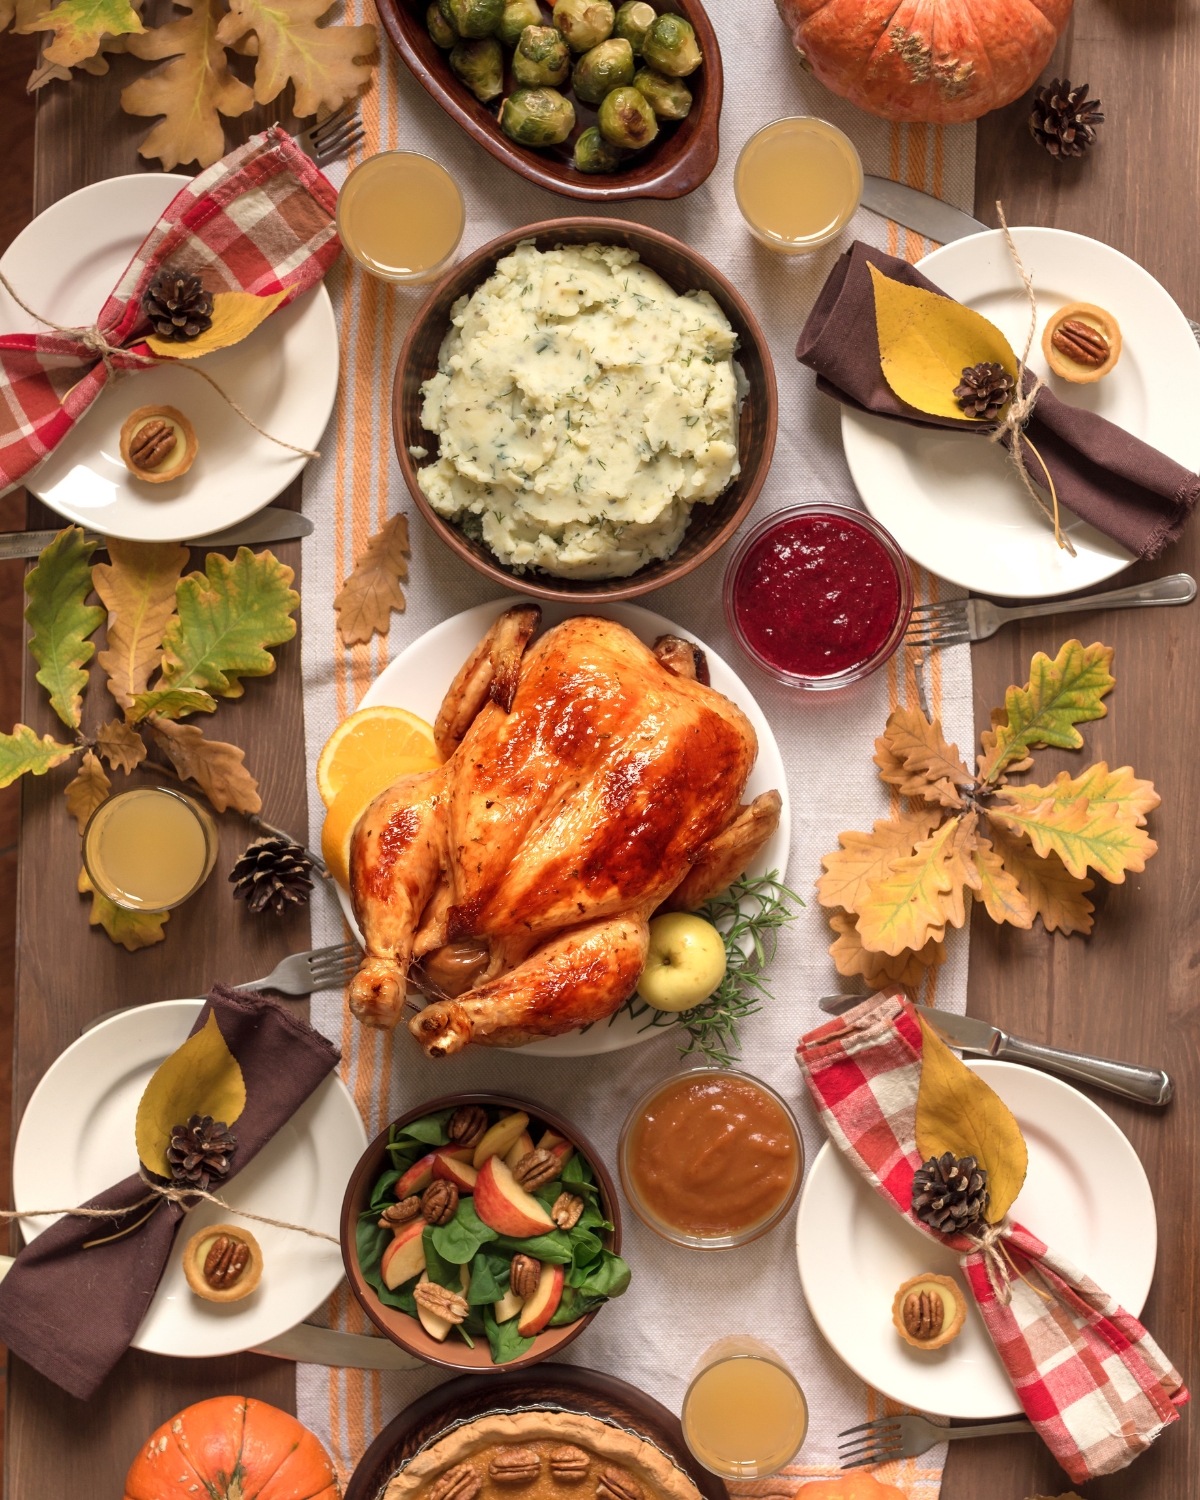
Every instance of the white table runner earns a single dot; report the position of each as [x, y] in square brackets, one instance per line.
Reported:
[679, 1301]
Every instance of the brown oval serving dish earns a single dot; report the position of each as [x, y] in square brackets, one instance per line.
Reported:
[710, 526]
[452, 1353]
[676, 163]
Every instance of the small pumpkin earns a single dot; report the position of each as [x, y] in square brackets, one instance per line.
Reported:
[229, 1448]
[941, 61]
[854, 1486]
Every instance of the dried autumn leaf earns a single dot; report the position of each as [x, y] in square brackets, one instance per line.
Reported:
[120, 745]
[878, 970]
[22, 751]
[79, 25]
[1059, 694]
[225, 621]
[132, 929]
[961, 868]
[958, 1112]
[200, 1078]
[366, 599]
[913, 755]
[191, 92]
[22, 12]
[320, 60]
[61, 622]
[170, 703]
[87, 790]
[1054, 895]
[1132, 797]
[235, 316]
[137, 587]
[916, 897]
[998, 889]
[214, 766]
[999, 719]
[926, 341]
[1100, 836]
[865, 857]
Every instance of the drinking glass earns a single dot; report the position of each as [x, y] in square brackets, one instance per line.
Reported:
[744, 1414]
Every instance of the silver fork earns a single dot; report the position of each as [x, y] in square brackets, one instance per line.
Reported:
[908, 1436]
[301, 973]
[956, 621]
[329, 138]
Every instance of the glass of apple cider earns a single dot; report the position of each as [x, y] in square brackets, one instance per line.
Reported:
[400, 216]
[798, 183]
[149, 849]
[744, 1414]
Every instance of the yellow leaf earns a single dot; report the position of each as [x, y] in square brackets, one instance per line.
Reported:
[916, 897]
[927, 341]
[961, 868]
[192, 91]
[366, 600]
[999, 889]
[200, 1078]
[87, 790]
[22, 751]
[1083, 835]
[865, 857]
[132, 929]
[958, 1112]
[1056, 896]
[120, 745]
[1059, 694]
[1121, 789]
[80, 25]
[878, 970]
[137, 587]
[913, 755]
[212, 764]
[320, 60]
[235, 315]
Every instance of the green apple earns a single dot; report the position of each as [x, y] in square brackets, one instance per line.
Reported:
[685, 962]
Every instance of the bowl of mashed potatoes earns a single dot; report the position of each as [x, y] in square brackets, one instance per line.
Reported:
[585, 409]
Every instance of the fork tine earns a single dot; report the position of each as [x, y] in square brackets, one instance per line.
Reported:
[327, 153]
[332, 973]
[876, 1422]
[340, 131]
[940, 607]
[947, 638]
[347, 949]
[338, 117]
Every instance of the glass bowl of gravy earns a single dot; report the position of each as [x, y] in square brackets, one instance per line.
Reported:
[711, 1158]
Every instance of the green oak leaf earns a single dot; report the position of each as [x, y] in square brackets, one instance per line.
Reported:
[22, 751]
[169, 703]
[226, 618]
[61, 622]
[80, 25]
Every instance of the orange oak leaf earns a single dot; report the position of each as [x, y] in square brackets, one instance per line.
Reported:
[214, 766]
[1101, 836]
[365, 601]
[864, 857]
[878, 970]
[324, 62]
[917, 896]
[998, 888]
[120, 745]
[137, 587]
[1055, 895]
[913, 755]
[87, 789]
[79, 26]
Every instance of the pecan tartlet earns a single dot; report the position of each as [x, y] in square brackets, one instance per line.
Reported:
[929, 1310]
[158, 443]
[222, 1263]
[1081, 342]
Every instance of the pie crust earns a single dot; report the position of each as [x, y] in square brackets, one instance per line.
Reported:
[951, 1293]
[178, 461]
[196, 1250]
[609, 1446]
[1095, 317]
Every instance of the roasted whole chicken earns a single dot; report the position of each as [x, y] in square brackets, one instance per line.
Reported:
[589, 781]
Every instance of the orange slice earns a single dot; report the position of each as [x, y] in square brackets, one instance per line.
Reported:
[350, 804]
[379, 739]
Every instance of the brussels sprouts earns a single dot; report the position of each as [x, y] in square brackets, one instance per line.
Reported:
[584, 23]
[626, 119]
[537, 117]
[516, 16]
[480, 65]
[670, 46]
[606, 67]
[670, 98]
[542, 57]
[443, 34]
[594, 154]
[634, 20]
[472, 18]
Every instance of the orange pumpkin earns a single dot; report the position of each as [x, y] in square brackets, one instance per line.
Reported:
[850, 1487]
[944, 61]
[232, 1448]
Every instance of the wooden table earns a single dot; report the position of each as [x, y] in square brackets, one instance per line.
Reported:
[1125, 992]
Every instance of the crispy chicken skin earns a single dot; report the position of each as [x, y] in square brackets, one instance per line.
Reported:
[588, 784]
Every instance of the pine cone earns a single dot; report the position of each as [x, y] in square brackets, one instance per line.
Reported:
[271, 873]
[200, 1151]
[950, 1194]
[1063, 119]
[984, 390]
[178, 306]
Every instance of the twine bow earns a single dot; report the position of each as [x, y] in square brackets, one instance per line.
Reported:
[95, 342]
[999, 1264]
[1020, 408]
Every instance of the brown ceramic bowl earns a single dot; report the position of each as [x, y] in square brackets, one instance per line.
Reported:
[407, 1331]
[678, 161]
[710, 526]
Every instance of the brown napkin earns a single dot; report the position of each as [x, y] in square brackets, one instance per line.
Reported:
[1120, 485]
[71, 1312]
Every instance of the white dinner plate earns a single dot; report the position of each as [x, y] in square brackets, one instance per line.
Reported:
[76, 1139]
[418, 679]
[950, 499]
[64, 265]
[1086, 1196]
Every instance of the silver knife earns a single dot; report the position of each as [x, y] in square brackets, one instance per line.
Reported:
[274, 524]
[916, 210]
[1146, 1085]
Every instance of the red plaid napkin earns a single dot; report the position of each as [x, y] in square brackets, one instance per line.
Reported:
[1093, 1382]
[260, 220]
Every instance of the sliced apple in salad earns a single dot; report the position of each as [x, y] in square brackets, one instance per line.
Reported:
[504, 1205]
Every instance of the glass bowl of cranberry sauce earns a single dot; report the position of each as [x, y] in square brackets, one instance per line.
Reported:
[818, 595]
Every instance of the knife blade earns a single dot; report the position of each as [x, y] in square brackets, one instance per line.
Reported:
[274, 524]
[967, 1034]
[310, 1345]
[916, 210]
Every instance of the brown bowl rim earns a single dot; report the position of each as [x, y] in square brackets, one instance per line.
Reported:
[675, 179]
[368, 1168]
[671, 571]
